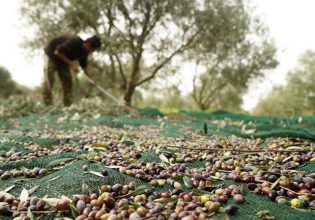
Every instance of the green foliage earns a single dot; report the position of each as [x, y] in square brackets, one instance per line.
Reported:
[7, 85]
[297, 96]
[243, 53]
[168, 97]
[142, 37]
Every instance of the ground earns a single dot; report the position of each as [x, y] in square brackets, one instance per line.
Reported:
[108, 164]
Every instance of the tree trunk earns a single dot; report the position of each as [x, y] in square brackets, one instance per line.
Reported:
[128, 95]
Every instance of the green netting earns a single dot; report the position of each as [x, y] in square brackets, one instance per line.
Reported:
[308, 168]
[72, 180]
[222, 123]
[43, 142]
[7, 146]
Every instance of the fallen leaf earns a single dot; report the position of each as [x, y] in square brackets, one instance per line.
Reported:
[57, 177]
[187, 181]
[95, 173]
[9, 188]
[24, 195]
[59, 161]
[163, 158]
[30, 214]
[51, 201]
[33, 189]
[166, 200]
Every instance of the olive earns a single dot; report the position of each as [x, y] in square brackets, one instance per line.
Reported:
[63, 204]
[5, 210]
[224, 198]
[177, 185]
[80, 217]
[295, 203]
[42, 172]
[117, 187]
[177, 191]
[272, 195]
[231, 209]
[110, 202]
[239, 198]
[251, 186]
[123, 202]
[132, 216]
[80, 206]
[212, 206]
[158, 208]
[281, 200]
[298, 179]
[272, 178]
[105, 173]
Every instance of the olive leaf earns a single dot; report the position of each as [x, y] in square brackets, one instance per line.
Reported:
[59, 161]
[2, 204]
[114, 167]
[30, 214]
[187, 181]
[51, 201]
[74, 211]
[139, 190]
[265, 214]
[295, 148]
[253, 168]
[100, 146]
[128, 143]
[33, 189]
[163, 165]
[287, 158]
[95, 173]
[24, 195]
[312, 175]
[57, 177]
[166, 200]
[204, 156]
[135, 204]
[8, 188]
[199, 192]
[275, 184]
[163, 158]
[6, 194]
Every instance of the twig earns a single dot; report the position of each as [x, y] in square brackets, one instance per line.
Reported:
[241, 150]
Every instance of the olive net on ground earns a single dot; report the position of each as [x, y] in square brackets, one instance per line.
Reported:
[70, 179]
[223, 123]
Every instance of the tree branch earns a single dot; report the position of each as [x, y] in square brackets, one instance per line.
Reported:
[165, 61]
[121, 70]
[125, 12]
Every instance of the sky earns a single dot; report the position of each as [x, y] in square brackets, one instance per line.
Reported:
[290, 23]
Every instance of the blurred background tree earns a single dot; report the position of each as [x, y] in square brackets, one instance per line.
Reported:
[7, 86]
[143, 37]
[297, 96]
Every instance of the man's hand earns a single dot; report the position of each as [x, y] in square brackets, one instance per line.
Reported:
[92, 81]
[89, 75]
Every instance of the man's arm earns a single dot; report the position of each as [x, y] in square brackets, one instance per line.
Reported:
[88, 73]
[64, 58]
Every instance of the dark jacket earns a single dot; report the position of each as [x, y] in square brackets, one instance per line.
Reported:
[70, 46]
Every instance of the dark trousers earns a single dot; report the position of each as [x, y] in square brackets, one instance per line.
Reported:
[65, 79]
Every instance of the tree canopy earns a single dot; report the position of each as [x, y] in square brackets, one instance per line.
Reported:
[297, 96]
[142, 38]
[7, 85]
